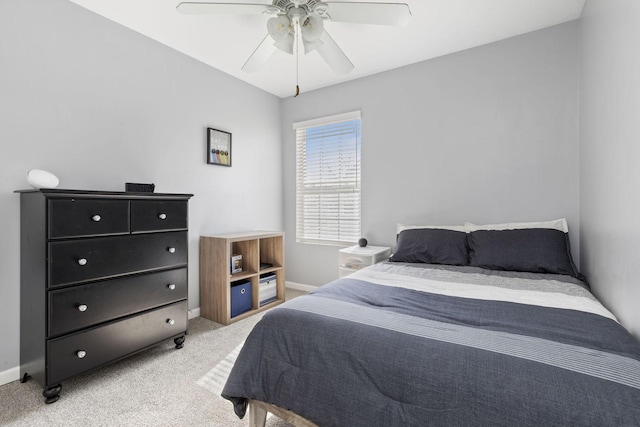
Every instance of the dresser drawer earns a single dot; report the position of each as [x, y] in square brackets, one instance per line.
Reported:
[80, 306]
[112, 341]
[154, 215]
[82, 260]
[87, 217]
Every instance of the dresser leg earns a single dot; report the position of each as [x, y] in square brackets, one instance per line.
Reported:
[52, 394]
[24, 378]
[179, 342]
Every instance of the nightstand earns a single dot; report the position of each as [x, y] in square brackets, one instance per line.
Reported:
[354, 258]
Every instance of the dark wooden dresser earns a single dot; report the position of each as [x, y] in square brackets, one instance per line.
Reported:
[103, 275]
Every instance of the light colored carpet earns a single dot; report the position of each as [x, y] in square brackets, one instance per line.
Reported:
[158, 387]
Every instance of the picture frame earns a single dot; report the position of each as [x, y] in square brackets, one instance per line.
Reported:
[218, 147]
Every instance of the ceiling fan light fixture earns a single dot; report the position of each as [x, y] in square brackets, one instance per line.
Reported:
[301, 22]
[279, 28]
[286, 44]
[312, 27]
[310, 46]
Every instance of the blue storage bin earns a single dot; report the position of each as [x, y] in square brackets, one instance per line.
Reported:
[240, 298]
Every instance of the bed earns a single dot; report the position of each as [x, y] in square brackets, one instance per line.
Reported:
[470, 325]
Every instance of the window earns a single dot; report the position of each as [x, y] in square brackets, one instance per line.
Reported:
[328, 179]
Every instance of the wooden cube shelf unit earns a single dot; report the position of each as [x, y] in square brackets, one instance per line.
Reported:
[216, 280]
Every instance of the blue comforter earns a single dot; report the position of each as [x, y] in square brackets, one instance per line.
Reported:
[421, 345]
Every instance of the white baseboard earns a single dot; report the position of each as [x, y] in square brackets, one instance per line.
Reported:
[9, 375]
[300, 286]
[194, 313]
[13, 374]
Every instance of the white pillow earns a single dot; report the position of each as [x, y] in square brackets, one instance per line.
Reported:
[402, 227]
[557, 224]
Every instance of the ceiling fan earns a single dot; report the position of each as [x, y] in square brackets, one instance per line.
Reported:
[301, 22]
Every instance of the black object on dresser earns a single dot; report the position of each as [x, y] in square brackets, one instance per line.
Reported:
[103, 275]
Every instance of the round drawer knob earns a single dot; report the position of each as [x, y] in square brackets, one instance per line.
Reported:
[81, 354]
[162, 216]
[242, 291]
[96, 218]
[171, 321]
[171, 286]
[82, 307]
[82, 261]
[172, 250]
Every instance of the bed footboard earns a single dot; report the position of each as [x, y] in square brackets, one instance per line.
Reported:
[258, 415]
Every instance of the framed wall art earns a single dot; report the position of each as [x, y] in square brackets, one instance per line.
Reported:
[218, 147]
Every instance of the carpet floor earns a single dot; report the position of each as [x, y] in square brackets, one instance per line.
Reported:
[158, 387]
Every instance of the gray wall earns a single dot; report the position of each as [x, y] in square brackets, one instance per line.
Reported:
[100, 105]
[609, 155]
[485, 135]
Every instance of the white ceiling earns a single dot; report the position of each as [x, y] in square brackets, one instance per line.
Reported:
[437, 27]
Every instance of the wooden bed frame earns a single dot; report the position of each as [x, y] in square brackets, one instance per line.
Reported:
[258, 415]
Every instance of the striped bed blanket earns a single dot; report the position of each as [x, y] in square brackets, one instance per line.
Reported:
[423, 345]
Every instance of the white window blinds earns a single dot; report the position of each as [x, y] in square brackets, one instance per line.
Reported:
[328, 179]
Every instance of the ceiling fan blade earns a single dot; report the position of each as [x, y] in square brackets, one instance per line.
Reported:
[259, 56]
[369, 13]
[193, 8]
[333, 55]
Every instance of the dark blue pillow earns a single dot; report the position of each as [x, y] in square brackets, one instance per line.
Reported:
[431, 246]
[536, 250]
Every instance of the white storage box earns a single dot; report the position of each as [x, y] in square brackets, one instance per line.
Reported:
[268, 291]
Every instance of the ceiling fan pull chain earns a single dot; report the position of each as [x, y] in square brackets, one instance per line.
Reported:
[297, 32]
